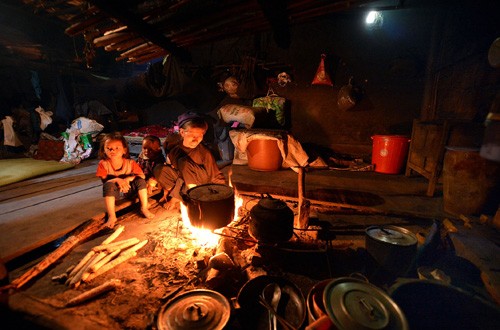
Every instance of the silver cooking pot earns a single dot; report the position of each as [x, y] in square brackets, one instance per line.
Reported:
[393, 248]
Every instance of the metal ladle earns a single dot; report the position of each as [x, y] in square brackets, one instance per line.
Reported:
[272, 295]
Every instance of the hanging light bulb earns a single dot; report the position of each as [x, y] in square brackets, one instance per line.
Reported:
[374, 18]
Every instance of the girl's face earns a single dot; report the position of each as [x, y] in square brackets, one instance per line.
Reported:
[192, 136]
[114, 149]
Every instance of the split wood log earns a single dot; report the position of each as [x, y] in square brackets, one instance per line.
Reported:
[113, 236]
[126, 44]
[90, 228]
[104, 261]
[112, 38]
[116, 245]
[124, 256]
[82, 263]
[85, 296]
[75, 280]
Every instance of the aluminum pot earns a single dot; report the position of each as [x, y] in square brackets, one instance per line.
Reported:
[354, 304]
[196, 309]
[210, 206]
[271, 220]
[393, 248]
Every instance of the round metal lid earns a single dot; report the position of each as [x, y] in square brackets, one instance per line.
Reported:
[392, 234]
[272, 204]
[210, 192]
[196, 309]
[357, 305]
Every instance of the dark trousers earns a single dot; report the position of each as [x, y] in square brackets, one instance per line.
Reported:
[176, 181]
[112, 189]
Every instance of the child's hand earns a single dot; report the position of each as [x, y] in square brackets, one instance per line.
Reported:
[124, 185]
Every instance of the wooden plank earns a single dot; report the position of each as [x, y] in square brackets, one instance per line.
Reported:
[31, 227]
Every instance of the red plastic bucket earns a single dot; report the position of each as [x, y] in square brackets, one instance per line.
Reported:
[389, 153]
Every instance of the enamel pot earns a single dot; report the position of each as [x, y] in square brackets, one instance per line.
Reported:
[210, 206]
[271, 220]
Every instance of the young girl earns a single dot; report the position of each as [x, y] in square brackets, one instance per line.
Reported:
[120, 174]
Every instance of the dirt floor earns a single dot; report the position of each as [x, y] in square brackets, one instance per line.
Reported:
[175, 261]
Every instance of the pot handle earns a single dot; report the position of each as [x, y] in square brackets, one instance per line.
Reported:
[266, 195]
[359, 276]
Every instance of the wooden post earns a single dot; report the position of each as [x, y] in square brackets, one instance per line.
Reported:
[302, 220]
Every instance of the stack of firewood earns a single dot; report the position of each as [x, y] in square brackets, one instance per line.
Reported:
[101, 258]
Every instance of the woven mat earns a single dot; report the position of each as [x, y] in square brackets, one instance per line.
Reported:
[15, 170]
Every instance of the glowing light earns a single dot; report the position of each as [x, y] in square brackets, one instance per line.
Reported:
[206, 237]
[374, 18]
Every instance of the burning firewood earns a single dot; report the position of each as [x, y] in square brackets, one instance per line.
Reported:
[225, 247]
[81, 298]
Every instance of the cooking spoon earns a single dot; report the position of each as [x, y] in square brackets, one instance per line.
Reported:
[272, 295]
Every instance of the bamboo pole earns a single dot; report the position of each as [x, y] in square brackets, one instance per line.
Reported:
[92, 227]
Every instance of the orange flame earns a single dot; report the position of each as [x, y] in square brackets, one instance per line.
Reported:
[206, 237]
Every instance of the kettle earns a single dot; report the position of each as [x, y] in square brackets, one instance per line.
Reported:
[271, 220]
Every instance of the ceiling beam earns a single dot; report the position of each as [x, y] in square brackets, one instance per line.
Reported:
[116, 10]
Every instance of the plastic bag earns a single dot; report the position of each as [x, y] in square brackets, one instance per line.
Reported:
[240, 113]
[272, 102]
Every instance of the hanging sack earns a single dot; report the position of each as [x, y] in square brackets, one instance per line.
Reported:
[272, 102]
[322, 77]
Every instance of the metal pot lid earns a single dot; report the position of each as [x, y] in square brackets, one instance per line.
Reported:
[356, 305]
[210, 192]
[272, 204]
[196, 309]
[392, 235]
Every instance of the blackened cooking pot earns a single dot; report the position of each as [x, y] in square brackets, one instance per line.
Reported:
[252, 315]
[271, 220]
[210, 206]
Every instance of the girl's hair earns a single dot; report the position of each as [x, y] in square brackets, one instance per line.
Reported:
[152, 138]
[115, 136]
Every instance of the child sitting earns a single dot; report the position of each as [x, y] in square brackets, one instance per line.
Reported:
[120, 175]
[190, 162]
[150, 156]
